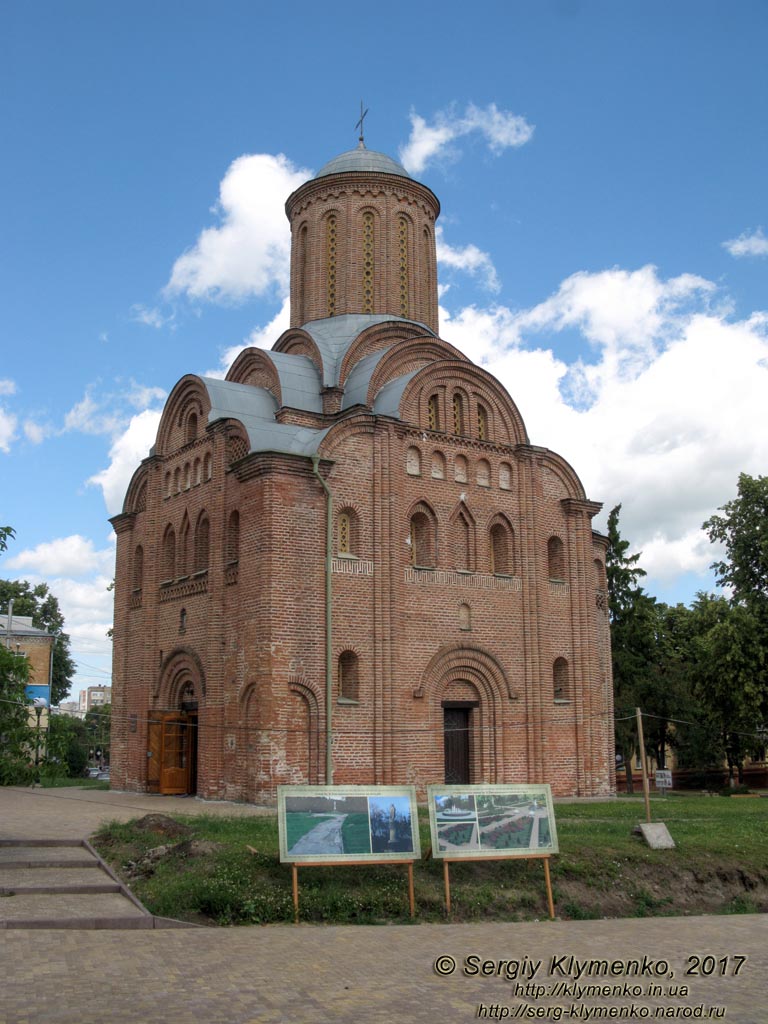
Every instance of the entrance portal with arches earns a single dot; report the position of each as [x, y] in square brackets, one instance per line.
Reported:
[172, 735]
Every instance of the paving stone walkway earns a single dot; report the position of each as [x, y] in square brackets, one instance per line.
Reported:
[313, 974]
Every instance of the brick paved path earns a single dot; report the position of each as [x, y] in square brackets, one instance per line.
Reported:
[318, 974]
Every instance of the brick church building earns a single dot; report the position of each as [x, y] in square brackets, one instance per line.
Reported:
[346, 561]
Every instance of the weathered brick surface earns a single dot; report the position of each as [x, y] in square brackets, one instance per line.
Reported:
[233, 628]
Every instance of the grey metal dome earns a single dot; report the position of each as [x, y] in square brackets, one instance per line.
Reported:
[362, 159]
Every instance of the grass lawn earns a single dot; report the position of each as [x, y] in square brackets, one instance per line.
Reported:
[58, 783]
[719, 865]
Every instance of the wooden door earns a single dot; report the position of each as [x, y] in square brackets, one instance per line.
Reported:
[456, 734]
[174, 758]
[154, 753]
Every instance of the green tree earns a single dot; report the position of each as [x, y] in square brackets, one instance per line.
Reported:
[67, 745]
[743, 530]
[730, 676]
[16, 737]
[632, 616]
[6, 533]
[39, 603]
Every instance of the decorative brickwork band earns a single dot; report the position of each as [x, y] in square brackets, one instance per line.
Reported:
[197, 584]
[353, 566]
[478, 581]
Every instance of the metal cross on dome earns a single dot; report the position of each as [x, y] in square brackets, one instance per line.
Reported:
[360, 125]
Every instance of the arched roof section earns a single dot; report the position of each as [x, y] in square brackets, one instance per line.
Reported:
[386, 336]
[565, 473]
[297, 342]
[254, 408]
[333, 336]
[136, 495]
[292, 380]
[188, 396]
[509, 426]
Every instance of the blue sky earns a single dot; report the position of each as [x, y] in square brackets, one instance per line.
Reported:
[601, 169]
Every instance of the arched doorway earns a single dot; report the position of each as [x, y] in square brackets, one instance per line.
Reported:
[172, 744]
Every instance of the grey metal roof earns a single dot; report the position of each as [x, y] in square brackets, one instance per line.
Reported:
[335, 334]
[255, 408]
[387, 401]
[299, 381]
[356, 386]
[21, 625]
[362, 159]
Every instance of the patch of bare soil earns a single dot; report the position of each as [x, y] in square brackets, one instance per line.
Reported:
[645, 890]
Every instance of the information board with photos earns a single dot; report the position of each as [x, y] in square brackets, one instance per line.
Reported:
[492, 821]
[333, 824]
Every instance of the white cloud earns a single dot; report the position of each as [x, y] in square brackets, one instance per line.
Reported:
[676, 399]
[89, 416]
[36, 433]
[469, 259]
[127, 451]
[500, 129]
[755, 244]
[8, 423]
[249, 252]
[150, 317]
[260, 337]
[66, 556]
[7, 387]
[141, 396]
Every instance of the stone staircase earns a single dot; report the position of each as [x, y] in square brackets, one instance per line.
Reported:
[63, 883]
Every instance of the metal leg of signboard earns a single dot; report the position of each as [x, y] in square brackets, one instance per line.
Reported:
[536, 856]
[345, 864]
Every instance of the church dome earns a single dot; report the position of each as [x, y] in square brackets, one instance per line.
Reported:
[365, 160]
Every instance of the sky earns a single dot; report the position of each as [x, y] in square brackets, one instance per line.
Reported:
[603, 244]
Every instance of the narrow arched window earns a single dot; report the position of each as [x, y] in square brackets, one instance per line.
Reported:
[465, 617]
[202, 543]
[438, 466]
[368, 262]
[433, 412]
[482, 423]
[349, 677]
[301, 270]
[556, 559]
[345, 534]
[402, 252]
[138, 568]
[422, 538]
[191, 427]
[458, 414]
[505, 476]
[413, 462]
[331, 253]
[599, 574]
[169, 554]
[208, 467]
[501, 550]
[484, 473]
[197, 472]
[233, 537]
[168, 484]
[177, 480]
[460, 470]
[462, 542]
[187, 476]
[561, 680]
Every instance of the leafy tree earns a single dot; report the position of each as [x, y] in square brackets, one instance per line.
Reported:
[6, 533]
[16, 736]
[67, 744]
[743, 529]
[39, 603]
[729, 676]
[633, 627]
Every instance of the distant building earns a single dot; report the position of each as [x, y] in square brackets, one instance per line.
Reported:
[349, 556]
[36, 645]
[94, 697]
